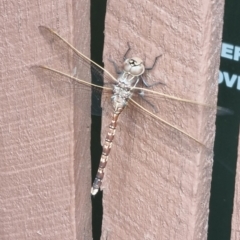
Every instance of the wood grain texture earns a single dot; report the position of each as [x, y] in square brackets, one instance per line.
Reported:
[45, 159]
[157, 182]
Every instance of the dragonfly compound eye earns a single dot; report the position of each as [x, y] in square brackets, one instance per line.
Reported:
[134, 66]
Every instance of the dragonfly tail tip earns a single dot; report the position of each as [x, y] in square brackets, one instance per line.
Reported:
[94, 191]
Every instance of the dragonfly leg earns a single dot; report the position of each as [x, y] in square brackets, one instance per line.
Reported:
[150, 68]
[117, 70]
[126, 53]
[124, 58]
[141, 94]
[150, 85]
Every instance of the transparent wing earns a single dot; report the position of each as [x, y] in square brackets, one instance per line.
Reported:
[70, 58]
[67, 50]
[60, 81]
[147, 103]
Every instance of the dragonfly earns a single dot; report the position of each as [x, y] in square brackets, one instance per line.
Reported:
[124, 87]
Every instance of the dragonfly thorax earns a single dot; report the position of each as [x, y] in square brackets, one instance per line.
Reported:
[126, 80]
[134, 66]
[121, 95]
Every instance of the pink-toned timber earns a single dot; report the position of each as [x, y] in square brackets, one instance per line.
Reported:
[157, 183]
[45, 158]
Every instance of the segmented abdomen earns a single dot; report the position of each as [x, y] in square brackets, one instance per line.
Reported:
[106, 150]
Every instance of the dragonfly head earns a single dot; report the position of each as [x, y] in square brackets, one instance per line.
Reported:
[134, 66]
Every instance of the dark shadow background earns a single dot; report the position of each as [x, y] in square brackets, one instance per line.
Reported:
[227, 128]
[98, 10]
[226, 141]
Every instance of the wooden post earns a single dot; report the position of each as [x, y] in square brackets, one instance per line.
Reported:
[45, 158]
[157, 182]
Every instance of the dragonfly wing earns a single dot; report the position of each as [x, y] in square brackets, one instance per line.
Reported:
[171, 113]
[222, 111]
[69, 53]
[170, 117]
[61, 81]
[71, 58]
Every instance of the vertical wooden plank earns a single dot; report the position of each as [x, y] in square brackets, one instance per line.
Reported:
[43, 191]
[157, 182]
[82, 124]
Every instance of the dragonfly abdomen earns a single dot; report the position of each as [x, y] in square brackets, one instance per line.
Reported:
[106, 151]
